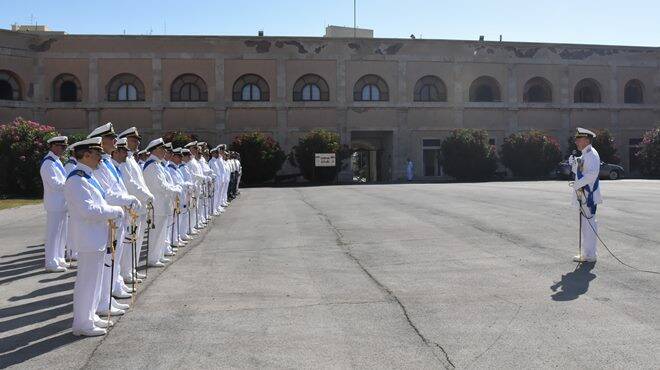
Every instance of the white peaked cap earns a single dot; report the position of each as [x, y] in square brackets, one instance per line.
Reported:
[58, 140]
[104, 130]
[130, 132]
[583, 132]
[92, 143]
[155, 144]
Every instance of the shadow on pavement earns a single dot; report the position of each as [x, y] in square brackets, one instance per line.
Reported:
[574, 284]
[30, 347]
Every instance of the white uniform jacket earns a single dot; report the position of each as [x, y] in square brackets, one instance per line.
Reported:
[164, 193]
[134, 180]
[587, 169]
[113, 186]
[53, 176]
[88, 210]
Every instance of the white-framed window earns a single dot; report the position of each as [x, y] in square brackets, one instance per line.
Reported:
[370, 92]
[127, 92]
[311, 92]
[251, 92]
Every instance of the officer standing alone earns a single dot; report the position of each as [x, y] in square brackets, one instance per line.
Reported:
[587, 192]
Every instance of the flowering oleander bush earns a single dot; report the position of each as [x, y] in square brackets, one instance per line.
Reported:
[467, 155]
[261, 157]
[530, 154]
[649, 153]
[22, 147]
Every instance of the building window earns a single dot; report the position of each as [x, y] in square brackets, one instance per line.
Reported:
[430, 89]
[251, 92]
[127, 92]
[125, 87]
[188, 87]
[485, 89]
[432, 157]
[634, 92]
[370, 93]
[66, 88]
[10, 89]
[251, 87]
[537, 90]
[371, 88]
[311, 87]
[587, 91]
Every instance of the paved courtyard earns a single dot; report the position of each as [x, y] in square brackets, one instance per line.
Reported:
[371, 276]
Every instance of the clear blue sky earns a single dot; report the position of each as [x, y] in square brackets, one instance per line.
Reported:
[573, 21]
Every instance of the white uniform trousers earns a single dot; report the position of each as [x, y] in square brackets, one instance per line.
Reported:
[589, 230]
[157, 239]
[216, 196]
[71, 252]
[200, 210]
[127, 257]
[225, 189]
[87, 290]
[56, 227]
[183, 222]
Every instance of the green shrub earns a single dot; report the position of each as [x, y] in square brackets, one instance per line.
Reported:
[530, 154]
[22, 147]
[466, 155]
[261, 157]
[649, 153]
[304, 155]
[604, 144]
[178, 138]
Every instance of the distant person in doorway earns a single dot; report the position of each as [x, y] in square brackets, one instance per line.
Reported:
[409, 169]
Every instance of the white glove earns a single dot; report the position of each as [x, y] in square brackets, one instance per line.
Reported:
[119, 213]
[571, 160]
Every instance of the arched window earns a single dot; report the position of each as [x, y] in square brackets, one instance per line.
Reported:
[66, 88]
[125, 87]
[371, 88]
[251, 87]
[587, 91]
[311, 87]
[188, 87]
[10, 89]
[485, 89]
[430, 88]
[537, 90]
[634, 92]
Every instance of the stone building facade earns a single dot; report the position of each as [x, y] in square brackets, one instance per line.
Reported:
[389, 99]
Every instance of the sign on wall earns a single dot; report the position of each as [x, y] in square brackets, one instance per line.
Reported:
[324, 160]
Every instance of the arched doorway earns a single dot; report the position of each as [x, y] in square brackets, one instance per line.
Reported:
[371, 156]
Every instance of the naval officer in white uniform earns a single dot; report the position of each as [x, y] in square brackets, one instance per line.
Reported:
[53, 176]
[155, 177]
[90, 214]
[134, 181]
[587, 192]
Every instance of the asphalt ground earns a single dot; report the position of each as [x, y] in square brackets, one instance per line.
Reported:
[366, 276]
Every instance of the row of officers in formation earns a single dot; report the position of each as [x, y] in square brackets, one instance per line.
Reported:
[109, 199]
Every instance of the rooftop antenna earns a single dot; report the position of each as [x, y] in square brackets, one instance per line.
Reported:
[165, 27]
[354, 19]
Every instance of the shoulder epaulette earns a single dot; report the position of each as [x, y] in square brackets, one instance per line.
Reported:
[80, 173]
